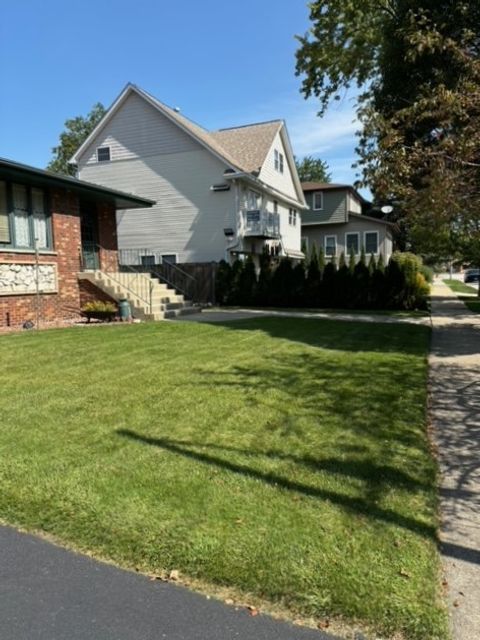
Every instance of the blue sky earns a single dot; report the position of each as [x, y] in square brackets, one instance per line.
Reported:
[223, 63]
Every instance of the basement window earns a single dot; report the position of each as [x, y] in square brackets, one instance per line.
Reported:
[103, 154]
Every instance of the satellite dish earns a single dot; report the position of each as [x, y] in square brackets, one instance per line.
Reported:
[387, 208]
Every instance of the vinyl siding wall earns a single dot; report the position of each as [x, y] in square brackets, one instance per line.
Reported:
[334, 207]
[137, 130]
[281, 181]
[318, 233]
[188, 219]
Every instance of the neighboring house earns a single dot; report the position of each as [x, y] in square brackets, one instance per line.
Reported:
[336, 223]
[219, 194]
[52, 228]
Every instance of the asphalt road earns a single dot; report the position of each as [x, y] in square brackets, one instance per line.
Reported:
[49, 593]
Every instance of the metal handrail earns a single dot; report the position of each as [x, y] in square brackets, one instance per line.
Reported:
[143, 291]
[167, 272]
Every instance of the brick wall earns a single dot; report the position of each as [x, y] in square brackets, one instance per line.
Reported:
[64, 305]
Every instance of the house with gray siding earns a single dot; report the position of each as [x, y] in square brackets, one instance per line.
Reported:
[336, 223]
[219, 194]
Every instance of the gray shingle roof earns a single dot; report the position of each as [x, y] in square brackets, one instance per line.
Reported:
[249, 144]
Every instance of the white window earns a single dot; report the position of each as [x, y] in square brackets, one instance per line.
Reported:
[4, 217]
[278, 160]
[352, 241]
[24, 217]
[371, 242]
[253, 200]
[103, 154]
[21, 216]
[275, 206]
[39, 218]
[292, 217]
[330, 246]
[317, 200]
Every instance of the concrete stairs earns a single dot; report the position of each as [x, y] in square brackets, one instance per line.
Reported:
[149, 298]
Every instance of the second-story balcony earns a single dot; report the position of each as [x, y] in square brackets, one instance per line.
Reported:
[261, 224]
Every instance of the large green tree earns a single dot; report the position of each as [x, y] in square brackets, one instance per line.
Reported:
[312, 169]
[76, 131]
[415, 66]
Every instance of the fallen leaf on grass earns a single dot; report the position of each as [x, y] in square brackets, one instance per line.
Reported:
[324, 624]
[253, 611]
[404, 573]
[174, 574]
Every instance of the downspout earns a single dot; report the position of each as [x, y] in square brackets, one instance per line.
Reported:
[234, 246]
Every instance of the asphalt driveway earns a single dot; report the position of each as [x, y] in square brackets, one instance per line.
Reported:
[49, 593]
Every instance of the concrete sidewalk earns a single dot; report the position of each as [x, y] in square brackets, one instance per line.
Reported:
[455, 414]
[49, 593]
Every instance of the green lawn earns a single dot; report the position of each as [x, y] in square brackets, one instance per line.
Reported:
[459, 287]
[286, 459]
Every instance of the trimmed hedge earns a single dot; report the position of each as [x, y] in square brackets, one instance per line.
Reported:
[316, 283]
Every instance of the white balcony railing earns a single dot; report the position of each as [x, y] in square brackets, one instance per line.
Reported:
[261, 223]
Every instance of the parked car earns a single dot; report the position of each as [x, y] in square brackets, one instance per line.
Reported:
[472, 275]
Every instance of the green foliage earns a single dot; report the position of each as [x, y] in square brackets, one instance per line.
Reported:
[313, 170]
[401, 285]
[417, 63]
[223, 282]
[262, 294]
[76, 132]
[247, 281]
[282, 284]
[98, 306]
[314, 276]
[321, 260]
[405, 285]
[351, 260]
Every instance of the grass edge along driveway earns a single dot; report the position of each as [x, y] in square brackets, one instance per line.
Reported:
[279, 457]
[458, 287]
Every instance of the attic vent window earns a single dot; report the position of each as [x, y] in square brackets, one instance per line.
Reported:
[103, 154]
[220, 187]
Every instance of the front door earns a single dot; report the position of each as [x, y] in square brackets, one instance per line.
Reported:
[88, 226]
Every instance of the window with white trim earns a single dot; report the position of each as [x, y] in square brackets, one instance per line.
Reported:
[352, 241]
[103, 154]
[317, 200]
[278, 160]
[169, 258]
[330, 246]
[292, 217]
[253, 200]
[371, 242]
[275, 206]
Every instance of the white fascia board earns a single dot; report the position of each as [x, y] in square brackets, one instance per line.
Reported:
[106, 118]
[291, 161]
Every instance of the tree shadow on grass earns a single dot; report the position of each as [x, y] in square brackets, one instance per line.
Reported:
[356, 505]
[338, 335]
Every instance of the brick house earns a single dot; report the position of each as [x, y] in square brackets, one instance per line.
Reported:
[72, 223]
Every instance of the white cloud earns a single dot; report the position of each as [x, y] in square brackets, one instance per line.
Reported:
[312, 135]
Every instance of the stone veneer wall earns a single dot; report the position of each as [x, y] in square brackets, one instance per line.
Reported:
[63, 304]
